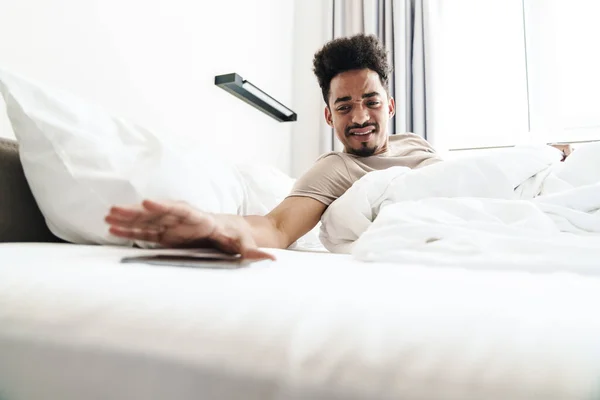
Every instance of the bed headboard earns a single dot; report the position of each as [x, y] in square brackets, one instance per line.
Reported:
[20, 217]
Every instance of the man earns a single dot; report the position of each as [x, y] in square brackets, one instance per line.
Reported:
[353, 76]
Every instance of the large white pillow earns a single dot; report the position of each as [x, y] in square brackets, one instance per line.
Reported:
[265, 187]
[79, 160]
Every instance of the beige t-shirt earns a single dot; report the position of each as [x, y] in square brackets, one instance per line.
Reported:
[335, 172]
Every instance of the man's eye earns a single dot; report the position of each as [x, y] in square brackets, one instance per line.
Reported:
[343, 108]
[373, 103]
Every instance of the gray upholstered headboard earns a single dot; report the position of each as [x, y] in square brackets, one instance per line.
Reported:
[20, 217]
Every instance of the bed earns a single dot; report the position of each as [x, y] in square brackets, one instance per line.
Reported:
[443, 298]
[75, 323]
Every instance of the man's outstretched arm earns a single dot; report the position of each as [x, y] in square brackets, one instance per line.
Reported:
[286, 223]
[178, 224]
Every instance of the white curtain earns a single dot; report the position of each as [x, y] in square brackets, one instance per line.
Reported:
[411, 57]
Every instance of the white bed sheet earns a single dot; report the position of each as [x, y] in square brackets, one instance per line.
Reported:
[77, 324]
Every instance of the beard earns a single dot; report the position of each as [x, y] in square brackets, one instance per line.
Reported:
[364, 150]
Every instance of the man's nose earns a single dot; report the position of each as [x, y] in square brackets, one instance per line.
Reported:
[360, 115]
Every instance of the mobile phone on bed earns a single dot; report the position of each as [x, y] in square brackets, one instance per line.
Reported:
[191, 259]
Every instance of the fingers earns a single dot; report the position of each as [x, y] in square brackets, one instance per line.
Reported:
[177, 223]
[147, 222]
[257, 254]
[180, 210]
[125, 213]
[128, 215]
[181, 213]
[148, 215]
[249, 250]
[135, 222]
[247, 253]
[165, 223]
[150, 208]
[137, 234]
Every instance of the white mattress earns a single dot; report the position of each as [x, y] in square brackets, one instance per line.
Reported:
[77, 324]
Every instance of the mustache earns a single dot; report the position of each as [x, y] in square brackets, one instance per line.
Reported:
[356, 126]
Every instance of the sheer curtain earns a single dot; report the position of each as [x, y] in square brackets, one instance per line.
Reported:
[411, 38]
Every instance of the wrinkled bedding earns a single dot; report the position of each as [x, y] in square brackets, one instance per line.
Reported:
[520, 208]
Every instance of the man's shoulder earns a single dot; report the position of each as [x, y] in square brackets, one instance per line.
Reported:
[326, 166]
[326, 180]
[333, 157]
[332, 164]
[408, 142]
[408, 137]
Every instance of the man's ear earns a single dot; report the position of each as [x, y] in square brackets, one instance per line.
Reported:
[392, 107]
[328, 116]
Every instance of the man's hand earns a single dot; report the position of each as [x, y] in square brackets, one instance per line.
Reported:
[178, 224]
[566, 149]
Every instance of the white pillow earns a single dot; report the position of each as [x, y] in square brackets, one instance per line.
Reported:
[79, 161]
[582, 167]
[265, 188]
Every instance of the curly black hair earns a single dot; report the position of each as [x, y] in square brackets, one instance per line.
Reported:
[349, 53]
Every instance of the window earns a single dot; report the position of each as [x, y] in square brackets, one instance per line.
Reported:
[520, 71]
[484, 75]
[577, 73]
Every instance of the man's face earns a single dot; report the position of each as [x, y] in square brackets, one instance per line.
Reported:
[359, 110]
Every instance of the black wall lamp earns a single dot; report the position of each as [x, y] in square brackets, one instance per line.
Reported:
[244, 90]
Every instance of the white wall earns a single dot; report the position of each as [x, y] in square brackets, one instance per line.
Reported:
[154, 62]
[312, 29]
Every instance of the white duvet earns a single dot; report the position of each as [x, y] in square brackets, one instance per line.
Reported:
[519, 208]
